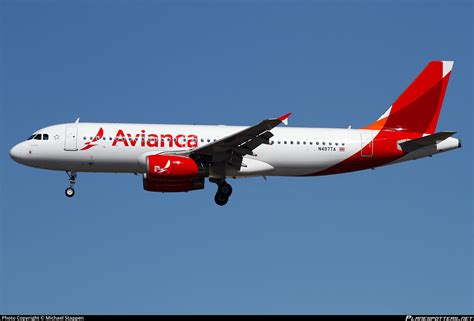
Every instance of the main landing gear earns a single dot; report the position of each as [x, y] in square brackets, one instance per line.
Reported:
[72, 180]
[224, 191]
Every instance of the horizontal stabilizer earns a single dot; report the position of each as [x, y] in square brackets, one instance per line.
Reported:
[418, 143]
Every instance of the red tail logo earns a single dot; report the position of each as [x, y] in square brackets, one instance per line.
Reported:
[418, 107]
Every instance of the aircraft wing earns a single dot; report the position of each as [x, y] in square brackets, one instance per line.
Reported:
[231, 149]
[418, 143]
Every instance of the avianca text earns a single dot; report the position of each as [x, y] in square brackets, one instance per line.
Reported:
[154, 140]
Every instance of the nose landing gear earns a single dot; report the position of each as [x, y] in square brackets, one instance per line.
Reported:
[72, 180]
[224, 191]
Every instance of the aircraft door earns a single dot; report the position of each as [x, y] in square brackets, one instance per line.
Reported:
[70, 141]
[367, 145]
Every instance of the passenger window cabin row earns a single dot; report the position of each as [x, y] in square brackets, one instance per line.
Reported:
[209, 140]
[305, 142]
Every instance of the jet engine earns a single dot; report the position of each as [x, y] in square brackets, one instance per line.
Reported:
[171, 173]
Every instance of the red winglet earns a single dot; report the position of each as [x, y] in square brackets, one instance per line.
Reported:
[284, 118]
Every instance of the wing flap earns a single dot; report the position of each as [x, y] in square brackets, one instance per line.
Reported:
[244, 141]
[231, 149]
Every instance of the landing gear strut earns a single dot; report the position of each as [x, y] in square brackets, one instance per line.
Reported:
[224, 191]
[72, 180]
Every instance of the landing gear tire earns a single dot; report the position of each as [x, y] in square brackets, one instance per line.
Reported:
[225, 189]
[221, 199]
[69, 192]
[72, 180]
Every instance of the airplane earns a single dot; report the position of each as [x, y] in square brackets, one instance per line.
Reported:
[179, 158]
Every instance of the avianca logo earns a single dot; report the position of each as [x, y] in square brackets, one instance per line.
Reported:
[159, 170]
[145, 140]
[91, 144]
[154, 140]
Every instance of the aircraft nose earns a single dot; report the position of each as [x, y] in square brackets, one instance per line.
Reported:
[16, 153]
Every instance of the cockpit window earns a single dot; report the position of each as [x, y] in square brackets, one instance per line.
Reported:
[39, 137]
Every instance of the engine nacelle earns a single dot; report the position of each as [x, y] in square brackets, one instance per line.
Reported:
[171, 167]
[171, 173]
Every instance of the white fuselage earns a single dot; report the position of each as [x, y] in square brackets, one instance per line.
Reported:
[124, 147]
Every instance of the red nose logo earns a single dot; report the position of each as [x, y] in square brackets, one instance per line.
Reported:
[97, 137]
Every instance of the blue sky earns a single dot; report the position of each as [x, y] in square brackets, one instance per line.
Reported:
[395, 240]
